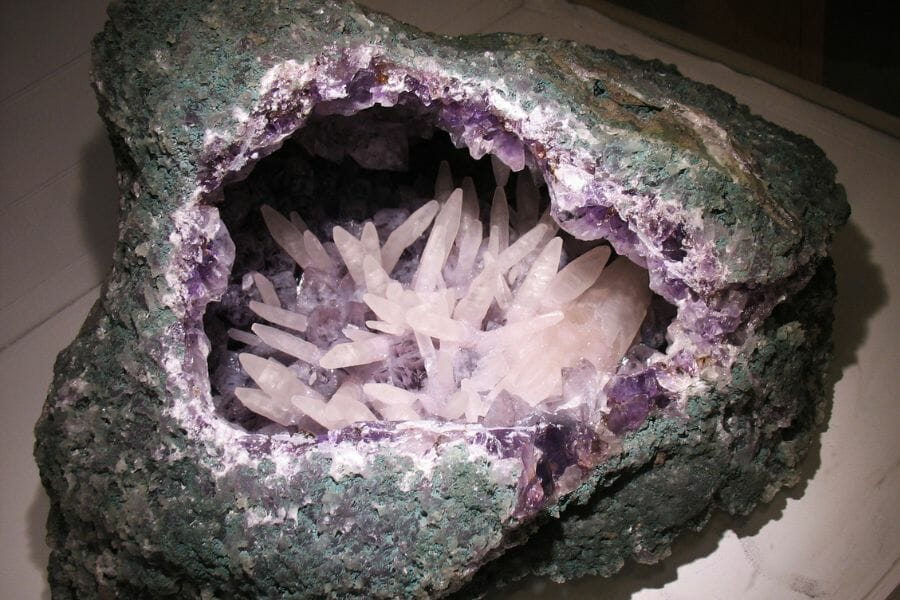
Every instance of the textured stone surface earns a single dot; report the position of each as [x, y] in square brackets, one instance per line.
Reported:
[154, 495]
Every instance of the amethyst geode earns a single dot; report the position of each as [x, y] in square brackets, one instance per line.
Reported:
[162, 485]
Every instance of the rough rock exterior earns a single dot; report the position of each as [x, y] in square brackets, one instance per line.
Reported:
[153, 495]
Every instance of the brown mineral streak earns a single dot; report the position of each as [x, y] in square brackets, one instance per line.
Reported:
[671, 125]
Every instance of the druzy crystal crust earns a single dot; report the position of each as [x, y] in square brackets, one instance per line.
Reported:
[329, 364]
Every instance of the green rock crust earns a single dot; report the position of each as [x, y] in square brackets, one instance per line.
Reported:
[152, 497]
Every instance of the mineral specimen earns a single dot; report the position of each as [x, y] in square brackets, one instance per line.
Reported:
[398, 315]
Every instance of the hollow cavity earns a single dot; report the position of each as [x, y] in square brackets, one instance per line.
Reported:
[375, 281]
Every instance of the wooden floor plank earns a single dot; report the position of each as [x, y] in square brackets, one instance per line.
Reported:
[46, 130]
[38, 37]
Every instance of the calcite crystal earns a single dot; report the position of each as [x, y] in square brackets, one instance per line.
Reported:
[400, 315]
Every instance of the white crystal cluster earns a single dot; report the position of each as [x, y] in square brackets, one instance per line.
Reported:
[492, 316]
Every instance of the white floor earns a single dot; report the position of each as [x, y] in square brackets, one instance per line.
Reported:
[836, 536]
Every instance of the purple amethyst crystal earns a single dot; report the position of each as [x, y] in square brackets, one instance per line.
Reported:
[631, 398]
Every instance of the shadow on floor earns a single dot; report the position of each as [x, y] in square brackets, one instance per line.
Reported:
[38, 552]
[98, 204]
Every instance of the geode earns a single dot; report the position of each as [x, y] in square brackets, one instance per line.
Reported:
[400, 315]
